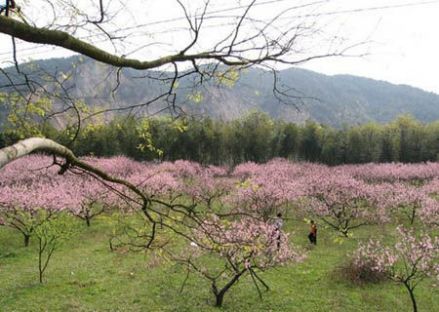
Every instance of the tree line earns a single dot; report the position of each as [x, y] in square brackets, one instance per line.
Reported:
[254, 137]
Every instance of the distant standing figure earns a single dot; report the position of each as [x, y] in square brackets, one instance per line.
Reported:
[278, 223]
[313, 233]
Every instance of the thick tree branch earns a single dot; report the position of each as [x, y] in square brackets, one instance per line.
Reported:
[25, 147]
[62, 39]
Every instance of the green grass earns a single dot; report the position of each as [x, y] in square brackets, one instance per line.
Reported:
[85, 276]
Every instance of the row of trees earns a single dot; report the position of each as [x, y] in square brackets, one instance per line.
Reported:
[223, 215]
[183, 204]
[255, 137]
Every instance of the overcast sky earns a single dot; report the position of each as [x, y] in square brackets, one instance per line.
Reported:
[405, 48]
[402, 35]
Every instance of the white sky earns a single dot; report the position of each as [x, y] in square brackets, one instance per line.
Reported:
[405, 48]
[403, 43]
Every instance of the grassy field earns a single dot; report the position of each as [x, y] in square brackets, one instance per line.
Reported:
[85, 276]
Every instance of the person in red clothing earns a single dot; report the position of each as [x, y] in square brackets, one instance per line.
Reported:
[313, 233]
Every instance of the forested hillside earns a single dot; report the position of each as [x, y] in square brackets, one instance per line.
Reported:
[329, 100]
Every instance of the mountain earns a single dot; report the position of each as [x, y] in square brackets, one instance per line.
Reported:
[332, 100]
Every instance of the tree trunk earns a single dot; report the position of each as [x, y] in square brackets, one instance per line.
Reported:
[412, 297]
[219, 295]
[40, 266]
[219, 299]
[26, 240]
[412, 217]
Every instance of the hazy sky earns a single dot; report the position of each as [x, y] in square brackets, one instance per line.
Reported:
[405, 48]
[402, 35]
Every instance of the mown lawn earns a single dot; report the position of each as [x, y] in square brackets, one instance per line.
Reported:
[85, 276]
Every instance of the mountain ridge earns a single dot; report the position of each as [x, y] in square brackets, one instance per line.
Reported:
[334, 100]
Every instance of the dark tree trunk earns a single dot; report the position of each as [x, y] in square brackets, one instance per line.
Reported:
[219, 295]
[412, 296]
[412, 217]
[219, 299]
[26, 240]
[40, 265]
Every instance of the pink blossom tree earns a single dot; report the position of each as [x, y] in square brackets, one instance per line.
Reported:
[119, 166]
[394, 172]
[429, 213]
[24, 207]
[91, 196]
[27, 170]
[408, 262]
[266, 189]
[32, 191]
[245, 246]
[340, 201]
[402, 199]
[208, 191]
[265, 196]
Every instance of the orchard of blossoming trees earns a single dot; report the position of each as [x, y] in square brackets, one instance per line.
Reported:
[228, 214]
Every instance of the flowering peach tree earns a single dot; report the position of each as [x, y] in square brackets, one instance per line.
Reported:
[239, 248]
[410, 260]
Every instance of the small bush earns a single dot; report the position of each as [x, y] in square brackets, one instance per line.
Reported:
[364, 266]
[361, 273]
